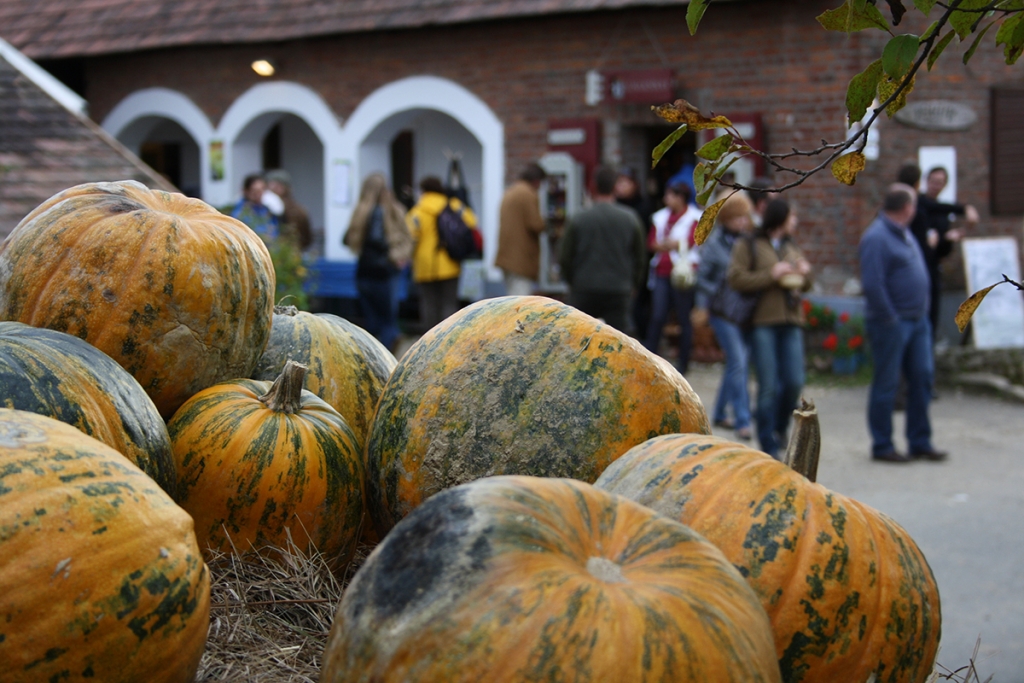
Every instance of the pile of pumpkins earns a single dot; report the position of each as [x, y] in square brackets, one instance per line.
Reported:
[543, 493]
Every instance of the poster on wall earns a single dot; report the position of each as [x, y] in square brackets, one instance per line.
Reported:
[999, 321]
[216, 160]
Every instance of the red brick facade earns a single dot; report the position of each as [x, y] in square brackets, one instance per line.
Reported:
[770, 58]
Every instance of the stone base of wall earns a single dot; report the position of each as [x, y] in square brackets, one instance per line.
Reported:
[1000, 370]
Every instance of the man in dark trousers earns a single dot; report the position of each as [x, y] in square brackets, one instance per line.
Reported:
[603, 253]
[896, 293]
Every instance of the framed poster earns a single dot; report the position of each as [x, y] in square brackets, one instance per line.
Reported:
[999, 321]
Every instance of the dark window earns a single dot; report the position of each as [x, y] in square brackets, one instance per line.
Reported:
[1007, 165]
[401, 168]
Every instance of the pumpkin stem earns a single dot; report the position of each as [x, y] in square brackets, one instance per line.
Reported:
[805, 444]
[285, 395]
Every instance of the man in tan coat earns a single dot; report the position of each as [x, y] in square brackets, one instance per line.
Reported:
[519, 233]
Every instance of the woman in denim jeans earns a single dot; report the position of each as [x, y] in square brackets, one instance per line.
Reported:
[733, 221]
[778, 272]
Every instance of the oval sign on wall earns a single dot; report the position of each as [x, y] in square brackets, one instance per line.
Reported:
[937, 115]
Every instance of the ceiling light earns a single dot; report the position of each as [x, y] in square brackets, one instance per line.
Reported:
[264, 67]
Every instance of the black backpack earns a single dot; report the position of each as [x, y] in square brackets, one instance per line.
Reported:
[454, 236]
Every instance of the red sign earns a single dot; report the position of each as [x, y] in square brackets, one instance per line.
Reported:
[646, 86]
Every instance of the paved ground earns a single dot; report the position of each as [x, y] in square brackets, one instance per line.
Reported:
[965, 513]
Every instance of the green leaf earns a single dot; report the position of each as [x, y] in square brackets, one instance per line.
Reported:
[898, 55]
[700, 177]
[861, 91]
[704, 196]
[694, 13]
[964, 22]
[1010, 4]
[928, 32]
[1011, 36]
[968, 307]
[716, 148]
[925, 6]
[850, 18]
[977, 42]
[939, 47]
[846, 167]
[666, 144]
[707, 221]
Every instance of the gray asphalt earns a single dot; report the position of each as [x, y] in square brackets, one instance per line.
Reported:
[964, 513]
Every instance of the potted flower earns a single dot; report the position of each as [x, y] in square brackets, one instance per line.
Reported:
[846, 344]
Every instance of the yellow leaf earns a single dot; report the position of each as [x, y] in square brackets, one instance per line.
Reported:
[886, 87]
[846, 167]
[968, 307]
[682, 111]
[707, 221]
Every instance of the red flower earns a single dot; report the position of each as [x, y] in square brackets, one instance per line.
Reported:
[830, 343]
[807, 306]
[855, 342]
[844, 317]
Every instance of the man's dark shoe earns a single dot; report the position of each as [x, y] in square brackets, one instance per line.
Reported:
[930, 454]
[892, 456]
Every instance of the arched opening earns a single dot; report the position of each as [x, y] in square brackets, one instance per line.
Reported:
[168, 148]
[282, 140]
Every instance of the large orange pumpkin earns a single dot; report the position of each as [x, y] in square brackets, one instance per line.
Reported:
[848, 591]
[261, 463]
[347, 367]
[517, 385]
[176, 292]
[100, 575]
[60, 376]
[510, 579]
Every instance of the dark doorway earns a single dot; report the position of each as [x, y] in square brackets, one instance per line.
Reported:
[402, 168]
[272, 148]
[680, 154]
[164, 158]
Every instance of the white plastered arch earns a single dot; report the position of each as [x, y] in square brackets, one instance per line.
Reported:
[447, 97]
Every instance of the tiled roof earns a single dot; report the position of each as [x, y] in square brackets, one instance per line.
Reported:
[67, 28]
[44, 149]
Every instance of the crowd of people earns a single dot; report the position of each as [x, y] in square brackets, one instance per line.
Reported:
[639, 269]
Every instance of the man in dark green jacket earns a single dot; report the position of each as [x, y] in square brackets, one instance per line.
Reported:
[603, 253]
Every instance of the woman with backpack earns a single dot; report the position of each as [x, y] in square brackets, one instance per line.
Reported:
[434, 270]
[378, 235]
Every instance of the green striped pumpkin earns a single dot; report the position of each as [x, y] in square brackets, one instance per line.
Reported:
[848, 591]
[510, 579]
[63, 377]
[517, 385]
[100, 575]
[260, 463]
[347, 367]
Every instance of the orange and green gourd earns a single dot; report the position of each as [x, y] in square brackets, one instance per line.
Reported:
[261, 463]
[101, 578]
[510, 579]
[54, 374]
[517, 385]
[848, 592]
[180, 295]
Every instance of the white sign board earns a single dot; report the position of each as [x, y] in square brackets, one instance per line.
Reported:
[999, 321]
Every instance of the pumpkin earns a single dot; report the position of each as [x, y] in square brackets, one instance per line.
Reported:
[847, 590]
[177, 293]
[265, 465]
[516, 385]
[100, 574]
[529, 579]
[347, 367]
[60, 376]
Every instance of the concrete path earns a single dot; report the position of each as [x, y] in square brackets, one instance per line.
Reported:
[966, 513]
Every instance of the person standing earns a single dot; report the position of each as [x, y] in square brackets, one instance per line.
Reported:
[435, 273]
[896, 296]
[773, 267]
[251, 211]
[671, 238]
[519, 233]
[294, 217]
[377, 233]
[733, 223]
[602, 255]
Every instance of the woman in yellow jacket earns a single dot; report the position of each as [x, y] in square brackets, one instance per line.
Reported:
[434, 271]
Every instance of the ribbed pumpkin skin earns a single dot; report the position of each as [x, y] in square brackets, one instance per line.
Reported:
[100, 575]
[347, 367]
[517, 385]
[256, 472]
[177, 293]
[54, 374]
[510, 579]
[847, 590]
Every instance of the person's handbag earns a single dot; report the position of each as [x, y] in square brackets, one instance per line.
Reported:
[684, 275]
[736, 307]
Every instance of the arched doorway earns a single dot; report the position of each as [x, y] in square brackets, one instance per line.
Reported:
[168, 149]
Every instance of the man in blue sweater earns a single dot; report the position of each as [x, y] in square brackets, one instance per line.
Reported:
[896, 293]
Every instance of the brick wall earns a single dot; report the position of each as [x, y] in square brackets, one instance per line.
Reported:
[769, 57]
